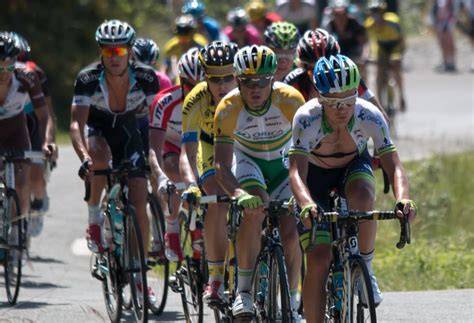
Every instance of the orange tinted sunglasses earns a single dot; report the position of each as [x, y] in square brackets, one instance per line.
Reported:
[111, 51]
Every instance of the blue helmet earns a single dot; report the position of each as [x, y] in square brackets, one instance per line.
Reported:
[335, 74]
[195, 8]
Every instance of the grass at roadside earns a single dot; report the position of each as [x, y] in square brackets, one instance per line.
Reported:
[440, 256]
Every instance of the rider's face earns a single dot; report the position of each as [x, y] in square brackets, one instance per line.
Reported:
[220, 85]
[255, 89]
[6, 70]
[115, 58]
[339, 114]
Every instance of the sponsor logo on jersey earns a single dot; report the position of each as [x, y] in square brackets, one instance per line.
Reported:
[260, 135]
[363, 115]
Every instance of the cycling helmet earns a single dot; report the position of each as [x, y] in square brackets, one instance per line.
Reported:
[189, 66]
[336, 74]
[194, 8]
[23, 46]
[374, 5]
[237, 17]
[218, 53]
[339, 3]
[256, 9]
[9, 48]
[185, 25]
[255, 60]
[114, 32]
[316, 44]
[146, 50]
[282, 35]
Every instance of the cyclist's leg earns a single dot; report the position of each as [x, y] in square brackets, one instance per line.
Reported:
[37, 182]
[170, 161]
[396, 68]
[138, 198]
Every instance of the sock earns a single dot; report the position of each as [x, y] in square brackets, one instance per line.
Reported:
[216, 271]
[244, 280]
[368, 260]
[294, 299]
[172, 225]
[95, 214]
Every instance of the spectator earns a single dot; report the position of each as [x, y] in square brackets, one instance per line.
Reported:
[302, 13]
[240, 31]
[445, 16]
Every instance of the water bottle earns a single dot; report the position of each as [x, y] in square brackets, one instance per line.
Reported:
[338, 285]
[263, 279]
[117, 219]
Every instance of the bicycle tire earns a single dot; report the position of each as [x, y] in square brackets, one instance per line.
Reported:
[362, 298]
[302, 275]
[109, 266]
[279, 290]
[14, 254]
[158, 264]
[191, 294]
[134, 264]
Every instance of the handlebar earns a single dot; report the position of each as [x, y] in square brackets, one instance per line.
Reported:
[359, 215]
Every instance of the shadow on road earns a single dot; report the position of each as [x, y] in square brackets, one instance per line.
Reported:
[169, 317]
[46, 260]
[29, 305]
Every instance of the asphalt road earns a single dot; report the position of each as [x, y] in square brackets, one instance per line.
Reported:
[57, 285]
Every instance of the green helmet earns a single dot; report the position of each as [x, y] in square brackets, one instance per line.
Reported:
[255, 60]
[282, 35]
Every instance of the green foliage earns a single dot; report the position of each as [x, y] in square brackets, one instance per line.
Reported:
[440, 255]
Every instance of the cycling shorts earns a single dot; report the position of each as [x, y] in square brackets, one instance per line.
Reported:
[35, 137]
[123, 136]
[14, 133]
[270, 175]
[388, 51]
[143, 127]
[321, 181]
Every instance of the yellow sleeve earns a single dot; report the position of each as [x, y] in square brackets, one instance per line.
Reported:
[225, 119]
[200, 39]
[290, 101]
[170, 47]
[191, 112]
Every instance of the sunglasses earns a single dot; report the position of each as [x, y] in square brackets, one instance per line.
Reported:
[9, 68]
[111, 51]
[289, 57]
[221, 79]
[337, 103]
[252, 83]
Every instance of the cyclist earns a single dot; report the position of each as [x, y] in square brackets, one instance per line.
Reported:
[197, 155]
[312, 46]
[329, 149]
[259, 15]
[107, 97]
[350, 34]
[240, 31]
[40, 203]
[253, 122]
[282, 38]
[165, 140]
[302, 13]
[19, 84]
[386, 45]
[184, 39]
[207, 26]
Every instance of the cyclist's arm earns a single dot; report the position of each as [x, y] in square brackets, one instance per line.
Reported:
[298, 173]
[157, 142]
[39, 104]
[223, 154]
[396, 173]
[187, 162]
[79, 116]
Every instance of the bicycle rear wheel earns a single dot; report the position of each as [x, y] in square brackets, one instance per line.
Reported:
[158, 265]
[191, 291]
[109, 268]
[134, 265]
[362, 297]
[279, 290]
[16, 245]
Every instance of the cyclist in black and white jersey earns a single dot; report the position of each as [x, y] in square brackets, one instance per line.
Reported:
[108, 96]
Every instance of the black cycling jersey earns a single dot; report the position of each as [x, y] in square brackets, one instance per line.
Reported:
[351, 40]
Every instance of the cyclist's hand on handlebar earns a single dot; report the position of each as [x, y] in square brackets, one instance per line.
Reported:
[248, 201]
[53, 151]
[163, 181]
[406, 208]
[307, 212]
[192, 193]
[84, 170]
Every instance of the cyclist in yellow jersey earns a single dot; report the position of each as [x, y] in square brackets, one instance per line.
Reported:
[184, 39]
[253, 123]
[386, 44]
[197, 154]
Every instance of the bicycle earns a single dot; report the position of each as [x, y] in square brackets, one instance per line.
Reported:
[123, 262]
[13, 236]
[349, 289]
[191, 274]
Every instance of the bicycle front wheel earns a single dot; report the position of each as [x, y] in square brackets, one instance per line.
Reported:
[158, 265]
[135, 266]
[16, 245]
[362, 297]
[279, 308]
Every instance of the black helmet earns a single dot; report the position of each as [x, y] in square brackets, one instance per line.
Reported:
[316, 44]
[146, 51]
[237, 17]
[218, 53]
[114, 32]
[185, 25]
[9, 48]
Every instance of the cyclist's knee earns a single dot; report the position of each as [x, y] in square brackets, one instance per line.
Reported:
[319, 260]
[169, 166]
[99, 151]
